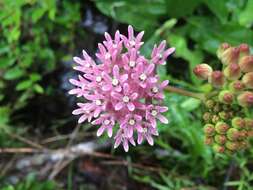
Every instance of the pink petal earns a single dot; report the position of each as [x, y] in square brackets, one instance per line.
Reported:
[116, 71]
[130, 106]
[119, 106]
[130, 132]
[162, 119]
[139, 36]
[134, 96]
[125, 145]
[162, 109]
[82, 118]
[164, 83]
[130, 32]
[106, 87]
[117, 142]
[150, 140]
[150, 68]
[168, 52]
[139, 128]
[126, 88]
[123, 78]
[109, 132]
[117, 96]
[131, 140]
[100, 131]
[140, 138]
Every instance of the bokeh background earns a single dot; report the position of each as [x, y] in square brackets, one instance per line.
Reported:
[38, 39]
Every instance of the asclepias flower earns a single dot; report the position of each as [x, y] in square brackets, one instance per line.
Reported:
[122, 93]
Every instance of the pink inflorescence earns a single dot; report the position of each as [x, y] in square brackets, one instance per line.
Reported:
[124, 89]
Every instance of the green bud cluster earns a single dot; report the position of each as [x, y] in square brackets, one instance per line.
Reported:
[226, 127]
[226, 132]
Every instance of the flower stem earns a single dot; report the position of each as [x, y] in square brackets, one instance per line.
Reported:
[183, 92]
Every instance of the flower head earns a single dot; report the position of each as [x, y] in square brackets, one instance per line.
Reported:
[123, 93]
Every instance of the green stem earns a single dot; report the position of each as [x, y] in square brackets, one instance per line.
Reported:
[183, 92]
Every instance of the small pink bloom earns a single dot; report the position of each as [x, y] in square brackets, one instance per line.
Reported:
[147, 134]
[153, 112]
[125, 99]
[122, 90]
[159, 54]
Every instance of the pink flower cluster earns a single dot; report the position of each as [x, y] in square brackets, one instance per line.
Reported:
[123, 93]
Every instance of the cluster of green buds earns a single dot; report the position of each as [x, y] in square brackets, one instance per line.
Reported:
[227, 127]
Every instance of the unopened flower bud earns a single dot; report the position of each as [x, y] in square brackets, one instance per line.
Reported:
[244, 50]
[203, 71]
[223, 47]
[209, 104]
[245, 99]
[207, 117]
[230, 55]
[217, 108]
[246, 64]
[226, 97]
[217, 79]
[209, 129]
[215, 118]
[231, 145]
[218, 148]
[249, 123]
[221, 127]
[223, 115]
[243, 134]
[220, 139]
[233, 134]
[238, 123]
[232, 71]
[208, 140]
[236, 86]
[242, 144]
[247, 80]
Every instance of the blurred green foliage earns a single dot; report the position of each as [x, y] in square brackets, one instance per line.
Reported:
[30, 33]
[36, 35]
[31, 183]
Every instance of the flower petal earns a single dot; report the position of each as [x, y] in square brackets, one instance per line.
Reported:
[119, 106]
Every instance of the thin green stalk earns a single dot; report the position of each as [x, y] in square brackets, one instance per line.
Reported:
[183, 92]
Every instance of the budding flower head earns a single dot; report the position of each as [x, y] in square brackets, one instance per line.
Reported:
[246, 64]
[244, 50]
[119, 92]
[238, 122]
[217, 79]
[221, 127]
[230, 55]
[232, 71]
[203, 71]
[248, 80]
[245, 99]
[226, 97]
[222, 48]
[236, 86]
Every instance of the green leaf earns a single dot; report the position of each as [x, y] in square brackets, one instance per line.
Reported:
[246, 16]
[4, 115]
[190, 104]
[35, 77]
[23, 85]
[142, 14]
[14, 73]
[39, 89]
[181, 8]
[6, 62]
[182, 50]
[218, 8]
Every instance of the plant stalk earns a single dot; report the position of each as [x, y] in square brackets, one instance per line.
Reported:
[183, 92]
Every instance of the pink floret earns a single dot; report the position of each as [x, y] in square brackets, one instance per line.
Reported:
[123, 94]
